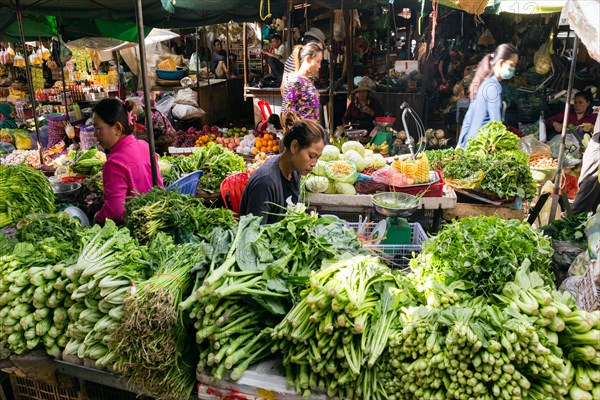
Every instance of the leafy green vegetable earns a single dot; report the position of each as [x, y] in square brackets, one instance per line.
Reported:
[61, 226]
[484, 250]
[492, 138]
[438, 159]
[569, 228]
[24, 191]
[216, 162]
[180, 216]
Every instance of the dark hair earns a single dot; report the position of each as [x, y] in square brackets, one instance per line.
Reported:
[485, 68]
[215, 41]
[304, 131]
[586, 94]
[275, 121]
[300, 53]
[112, 111]
[277, 36]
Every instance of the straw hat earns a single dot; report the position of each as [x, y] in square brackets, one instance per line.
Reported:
[365, 84]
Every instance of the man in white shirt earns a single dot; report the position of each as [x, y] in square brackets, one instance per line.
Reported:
[277, 56]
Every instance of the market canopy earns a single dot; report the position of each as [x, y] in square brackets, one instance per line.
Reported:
[109, 44]
[584, 18]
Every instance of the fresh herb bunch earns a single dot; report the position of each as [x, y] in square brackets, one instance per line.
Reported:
[570, 228]
[216, 162]
[438, 159]
[493, 137]
[484, 250]
[61, 226]
[24, 191]
[507, 175]
[181, 216]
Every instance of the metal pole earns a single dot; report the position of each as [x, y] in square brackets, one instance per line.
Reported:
[144, 72]
[331, 81]
[563, 135]
[387, 60]
[206, 43]
[198, 67]
[29, 80]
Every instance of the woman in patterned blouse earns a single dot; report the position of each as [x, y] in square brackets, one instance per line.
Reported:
[303, 96]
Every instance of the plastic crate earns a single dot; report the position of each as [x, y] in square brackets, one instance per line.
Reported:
[398, 255]
[187, 184]
[589, 296]
[29, 389]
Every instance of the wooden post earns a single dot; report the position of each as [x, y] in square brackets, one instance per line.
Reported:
[349, 53]
[245, 50]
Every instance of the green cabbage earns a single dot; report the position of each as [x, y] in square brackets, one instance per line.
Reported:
[344, 188]
[319, 169]
[378, 161]
[330, 187]
[353, 145]
[338, 176]
[317, 184]
[330, 153]
[353, 157]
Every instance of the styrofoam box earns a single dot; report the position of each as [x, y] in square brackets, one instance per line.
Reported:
[406, 66]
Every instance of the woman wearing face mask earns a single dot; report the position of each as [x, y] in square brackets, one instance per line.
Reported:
[302, 97]
[579, 114]
[485, 91]
[279, 178]
[127, 171]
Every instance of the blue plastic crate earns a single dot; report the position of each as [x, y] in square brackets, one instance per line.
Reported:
[187, 184]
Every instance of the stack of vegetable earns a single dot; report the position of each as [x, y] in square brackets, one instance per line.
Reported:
[332, 339]
[253, 279]
[24, 191]
[181, 216]
[336, 172]
[109, 262]
[84, 163]
[151, 337]
[33, 292]
[486, 251]
[492, 163]
[216, 162]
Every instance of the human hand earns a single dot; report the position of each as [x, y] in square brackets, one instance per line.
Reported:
[557, 126]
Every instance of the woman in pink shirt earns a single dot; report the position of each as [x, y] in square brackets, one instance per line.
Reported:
[127, 171]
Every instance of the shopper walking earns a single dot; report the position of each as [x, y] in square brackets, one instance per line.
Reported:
[485, 91]
[290, 68]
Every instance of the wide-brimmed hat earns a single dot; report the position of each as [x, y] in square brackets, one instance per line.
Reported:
[364, 85]
[315, 33]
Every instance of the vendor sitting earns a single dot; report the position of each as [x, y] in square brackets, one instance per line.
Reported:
[363, 109]
[6, 119]
[579, 114]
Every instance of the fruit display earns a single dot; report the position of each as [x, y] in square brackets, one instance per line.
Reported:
[247, 144]
[416, 170]
[228, 138]
[383, 148]
[266, 143]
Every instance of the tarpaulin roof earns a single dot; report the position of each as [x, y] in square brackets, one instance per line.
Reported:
[583, 17]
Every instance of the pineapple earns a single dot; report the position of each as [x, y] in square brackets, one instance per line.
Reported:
[422, 173]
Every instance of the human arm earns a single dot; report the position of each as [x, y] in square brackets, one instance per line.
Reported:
[494, 102]
[555, 122]
[115, 190]
[349, 114]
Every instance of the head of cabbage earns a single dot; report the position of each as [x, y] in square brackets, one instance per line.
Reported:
[378, 161]
[330, 153]
[353, 145]
[344, 188]
[316, 184]
[355, 158]
[319, 168]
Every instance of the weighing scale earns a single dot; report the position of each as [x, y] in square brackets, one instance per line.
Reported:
[396, 228]
[384, 133]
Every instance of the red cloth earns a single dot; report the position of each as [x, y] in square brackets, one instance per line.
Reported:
[127, 171]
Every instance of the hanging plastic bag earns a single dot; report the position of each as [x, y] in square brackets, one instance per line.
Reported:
[65, 53]
[572, 147]
[187, 96]
[45, 53]
[542, 63]
[10, 51]
[19, 61]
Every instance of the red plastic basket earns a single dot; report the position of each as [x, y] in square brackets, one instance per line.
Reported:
[433, 190]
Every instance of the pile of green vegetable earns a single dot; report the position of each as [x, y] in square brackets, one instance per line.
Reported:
[527, 342]
[254, 276]
[332, 339]
[216, 161]
[86, 162]
[24, 191]
[183, 217]
[152, 326]
[484, 250]
[569, 228]
[33, 288]
[492, 162]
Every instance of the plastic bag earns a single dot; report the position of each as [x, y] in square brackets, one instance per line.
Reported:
[389, 176]
[592, 229]
[542, 63]
[185, 112]
[165, 105]
[534, 147]
[571, 285]
[572, 146]
[580, 264]
[565, 252]
[187, 96]
[473, 182]
[19, 61]
[22, 139]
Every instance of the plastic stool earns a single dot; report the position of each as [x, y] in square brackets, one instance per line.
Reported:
[232, 188]
[187, 184]
[265, 110]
